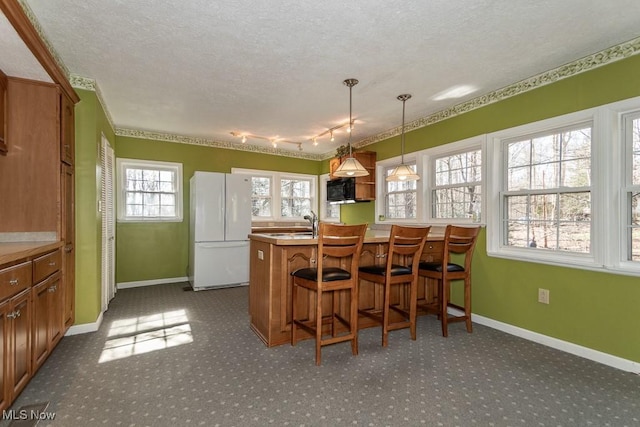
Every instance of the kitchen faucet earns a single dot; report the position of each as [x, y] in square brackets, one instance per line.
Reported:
[313, 219]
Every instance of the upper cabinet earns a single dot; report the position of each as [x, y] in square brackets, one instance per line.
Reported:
[365, 185]
[30, 170]
[3, 113]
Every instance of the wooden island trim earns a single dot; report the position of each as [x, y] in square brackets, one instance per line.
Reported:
[273, 256]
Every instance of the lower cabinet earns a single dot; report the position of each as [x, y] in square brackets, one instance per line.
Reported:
[15, 319]
[31, 319]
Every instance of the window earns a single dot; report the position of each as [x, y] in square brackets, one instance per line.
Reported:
[295, 197]
[400, 196]
[631, 189]
[279, 196]
[457, 186]
[329, 212]
[261, 196]
[149, 190]
[547, 190]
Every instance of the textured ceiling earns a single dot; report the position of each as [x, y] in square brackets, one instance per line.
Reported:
[204, 69]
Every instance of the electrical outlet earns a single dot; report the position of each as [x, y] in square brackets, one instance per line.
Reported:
[260, 254]
[543, 296]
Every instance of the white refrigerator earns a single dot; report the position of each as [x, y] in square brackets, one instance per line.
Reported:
[220, 222]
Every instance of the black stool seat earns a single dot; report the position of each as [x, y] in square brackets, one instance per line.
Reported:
[381, 270]
[437, 266]
[329, 274]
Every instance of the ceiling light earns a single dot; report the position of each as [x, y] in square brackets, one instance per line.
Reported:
[244, 139]
[332, 138]
[351, 166]
[403, 172]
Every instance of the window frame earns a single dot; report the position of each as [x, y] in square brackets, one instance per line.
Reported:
[496, 189]
[276, 181]
[621, 260]
[429, 158]
[122, 164]
[382, 166]
[322, 200]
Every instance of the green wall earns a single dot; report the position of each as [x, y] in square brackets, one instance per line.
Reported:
[91, 122]
[591, 309]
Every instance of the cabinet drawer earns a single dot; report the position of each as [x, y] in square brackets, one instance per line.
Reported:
[46, 265]
[433, 251]
[14, 279]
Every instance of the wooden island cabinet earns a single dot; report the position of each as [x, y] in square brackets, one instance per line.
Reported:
[274, 256]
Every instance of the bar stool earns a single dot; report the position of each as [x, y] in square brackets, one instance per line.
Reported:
[339, 248]
[403, 257]
[459, 242]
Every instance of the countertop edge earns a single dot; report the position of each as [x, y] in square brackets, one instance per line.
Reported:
[15, 251]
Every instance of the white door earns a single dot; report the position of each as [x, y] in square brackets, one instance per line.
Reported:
[108, 224]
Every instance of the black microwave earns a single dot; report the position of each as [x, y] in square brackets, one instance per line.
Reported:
[341, 190]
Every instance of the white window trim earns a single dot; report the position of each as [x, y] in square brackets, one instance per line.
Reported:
[429, 158]
[494, 186]
[322, 199]
[276, 177]
[122, 163]
[381, 189]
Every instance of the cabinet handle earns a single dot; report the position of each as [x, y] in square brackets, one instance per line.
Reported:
[13, 314]
[52, 264]
[13, 282]
[68, 248]
[52, 288]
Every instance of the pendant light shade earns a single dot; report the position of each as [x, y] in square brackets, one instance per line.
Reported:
[403, 172]
[350, 167]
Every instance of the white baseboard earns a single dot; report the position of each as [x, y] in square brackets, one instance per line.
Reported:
[577, 350]
[85, 327]
[126, 285]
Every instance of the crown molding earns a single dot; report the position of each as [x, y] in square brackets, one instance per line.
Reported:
[91, 85]
[181, 139]
[598, 59]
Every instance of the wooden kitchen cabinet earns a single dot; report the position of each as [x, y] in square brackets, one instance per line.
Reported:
[3, 112]
[67, 133]
[47, 300]
[15, 324]
[365, 185]
[68, 237]
[37, 193]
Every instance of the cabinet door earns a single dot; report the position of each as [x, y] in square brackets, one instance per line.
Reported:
[67, 285]
[67, 133]
[40, 328]
[21, 337]
[3, 109]
[56, 315]
[5, 350]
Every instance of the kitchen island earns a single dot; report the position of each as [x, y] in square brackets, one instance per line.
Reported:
[273, 256]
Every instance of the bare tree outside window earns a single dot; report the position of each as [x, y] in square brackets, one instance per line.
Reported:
[548, 191]
[401, 197]
[260, 196]
[458, 183]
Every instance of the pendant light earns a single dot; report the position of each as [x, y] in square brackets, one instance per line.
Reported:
[403, 172]
[351, 167]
